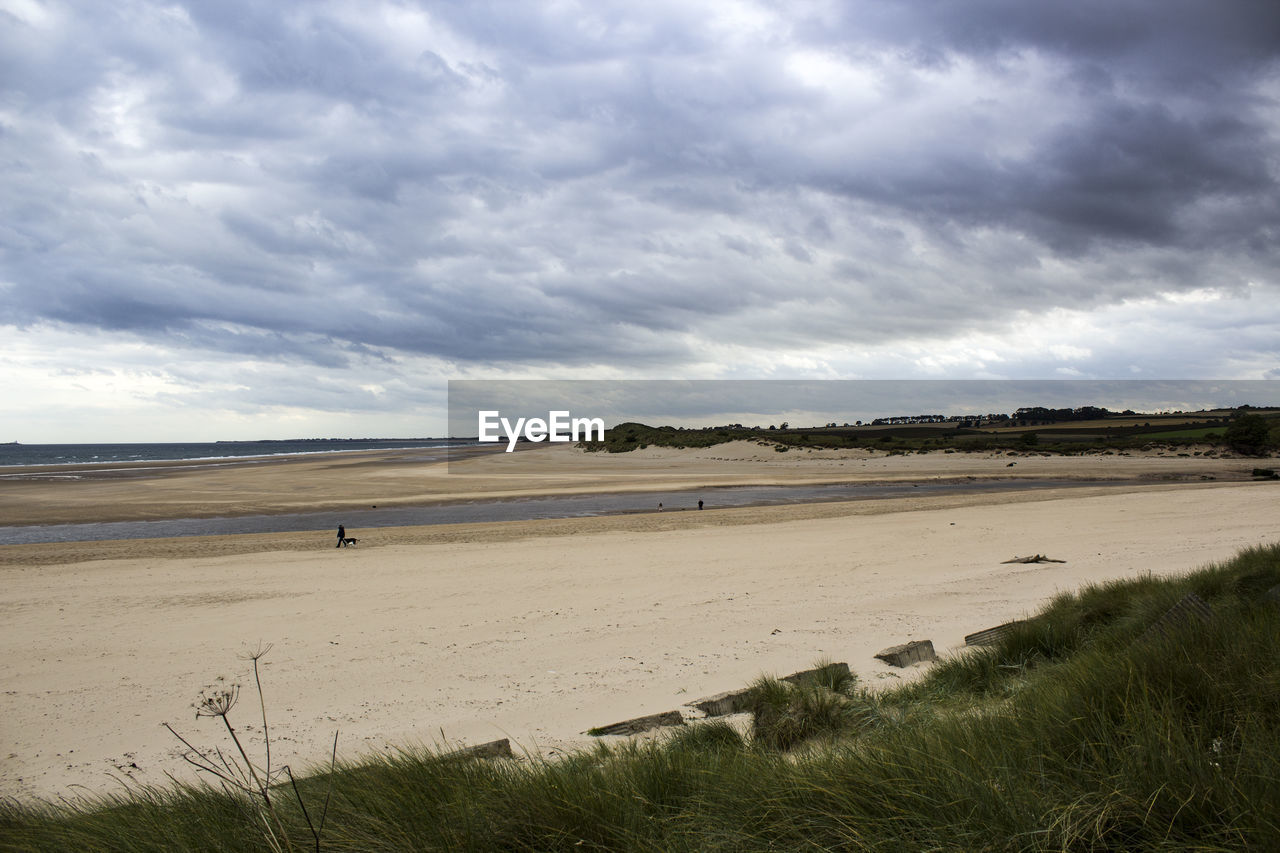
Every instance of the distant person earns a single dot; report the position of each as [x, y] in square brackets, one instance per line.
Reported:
[659, 506]
[699, 504]
[342, 536]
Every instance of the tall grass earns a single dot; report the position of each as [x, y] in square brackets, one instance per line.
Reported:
[1075, 733]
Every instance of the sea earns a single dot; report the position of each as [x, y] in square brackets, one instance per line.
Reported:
[78, 454]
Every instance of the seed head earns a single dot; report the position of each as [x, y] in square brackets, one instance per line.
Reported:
[217, 699]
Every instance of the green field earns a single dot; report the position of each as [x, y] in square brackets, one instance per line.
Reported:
[1182, 434]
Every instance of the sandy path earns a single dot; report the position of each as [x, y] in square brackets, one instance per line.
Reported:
[538, 637]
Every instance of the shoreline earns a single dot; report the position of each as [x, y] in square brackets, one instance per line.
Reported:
[79, 551]
[536, 507]
[142, 467]
[312, 447]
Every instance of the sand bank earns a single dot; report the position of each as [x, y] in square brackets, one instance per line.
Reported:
[540, 630]
[351, 481]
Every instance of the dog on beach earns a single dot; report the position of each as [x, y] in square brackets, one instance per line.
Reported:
[350, 540]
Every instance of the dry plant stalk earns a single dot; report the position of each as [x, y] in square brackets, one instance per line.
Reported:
[240, 773]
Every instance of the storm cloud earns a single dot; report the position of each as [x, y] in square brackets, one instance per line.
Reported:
[242, 208]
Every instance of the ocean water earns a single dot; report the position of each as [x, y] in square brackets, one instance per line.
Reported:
[76, 454]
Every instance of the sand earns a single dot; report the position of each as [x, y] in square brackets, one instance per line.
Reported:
[359, 480]
[536, 631]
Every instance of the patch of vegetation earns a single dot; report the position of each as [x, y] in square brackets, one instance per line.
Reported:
[1249, 432]
[825, 704]
[1081, 730]
[626, 437]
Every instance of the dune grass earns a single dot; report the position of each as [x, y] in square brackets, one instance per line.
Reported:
[1077, 732]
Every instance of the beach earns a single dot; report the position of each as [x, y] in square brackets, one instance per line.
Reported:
[535, 630]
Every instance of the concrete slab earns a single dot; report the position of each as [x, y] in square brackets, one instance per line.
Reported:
[640, 724]
[991, 636]
[916, 651]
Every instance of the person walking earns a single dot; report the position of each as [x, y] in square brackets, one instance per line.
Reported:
[342, 536]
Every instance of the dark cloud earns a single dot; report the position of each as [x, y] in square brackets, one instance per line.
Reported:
[1136, 174]
[1165, 42]
[1171, 110]
[523, 185]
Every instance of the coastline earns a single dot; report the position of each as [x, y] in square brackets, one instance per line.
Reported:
[362, 479]
[16, 456]
[539, 630]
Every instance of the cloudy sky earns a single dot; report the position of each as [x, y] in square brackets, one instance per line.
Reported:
[238, 219]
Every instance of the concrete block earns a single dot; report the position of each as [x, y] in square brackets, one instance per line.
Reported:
[640, 724]
[916, 651]
[722, 704]
[991, 636]
[492, 749]
[797, 677]
[738, 701]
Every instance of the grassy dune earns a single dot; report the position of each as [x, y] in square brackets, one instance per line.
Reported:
[1069, 437]
[1078, 732]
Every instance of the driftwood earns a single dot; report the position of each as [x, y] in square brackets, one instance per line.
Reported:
[1038, 558]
